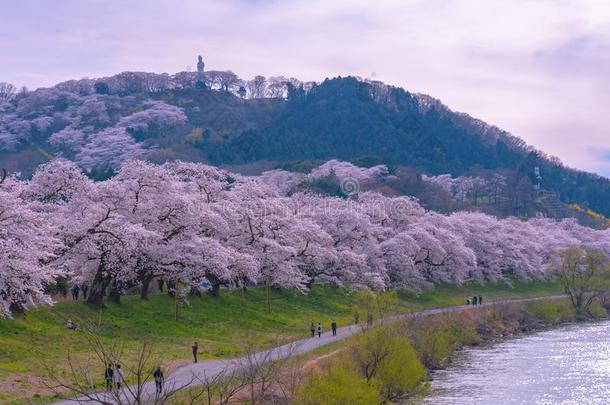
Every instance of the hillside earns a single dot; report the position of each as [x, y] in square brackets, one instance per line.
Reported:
[366, 123]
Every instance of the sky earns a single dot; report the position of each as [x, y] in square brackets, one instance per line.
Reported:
[539, 69]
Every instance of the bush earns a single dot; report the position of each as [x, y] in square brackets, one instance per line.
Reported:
[401, 373]
[340, 385]
[436, 341]
[597, 310]
[434, 345]
[386, 359]
[552, 312]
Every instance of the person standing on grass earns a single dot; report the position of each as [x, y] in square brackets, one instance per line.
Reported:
[84, 288]
[480, 300]
[312, 329]
[333, 326]
[118, 376]
[160, 283]
[195, 348]
[109, 377]
[159, 379]
[319, 329]
[75, 290]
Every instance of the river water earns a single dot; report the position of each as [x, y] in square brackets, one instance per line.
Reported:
[568, 365]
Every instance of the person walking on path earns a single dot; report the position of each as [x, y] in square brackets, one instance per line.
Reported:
[109, 377]
[118, 376]
[480, 300]
[75, 290]
[319, 329]
[474, 300]
[195, 349]
[160, 283]
[84, 288]
[312, 329]
[333, 326]
[159, 379]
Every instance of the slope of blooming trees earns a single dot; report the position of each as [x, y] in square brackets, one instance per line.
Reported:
[100, 123]
[350, 176]
[98, 131]
[188, 222]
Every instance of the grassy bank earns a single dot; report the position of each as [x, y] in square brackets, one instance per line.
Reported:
[218, 324]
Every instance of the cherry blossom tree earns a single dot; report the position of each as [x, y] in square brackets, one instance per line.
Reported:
[28, 245]
[190, 222]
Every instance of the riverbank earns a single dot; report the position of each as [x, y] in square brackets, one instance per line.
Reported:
[218, 324]
[564, 364]
[430, 344]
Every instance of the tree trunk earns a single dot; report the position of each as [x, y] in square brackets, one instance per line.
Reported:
[215, 282]
[268, 298]
[145, 287]
[115, 292]
[194, 291]
[98, 287]
[171, 287]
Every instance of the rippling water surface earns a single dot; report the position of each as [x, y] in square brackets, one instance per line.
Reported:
[570, 365]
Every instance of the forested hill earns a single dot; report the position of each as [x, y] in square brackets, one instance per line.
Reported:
[356, 121]
[99, 123]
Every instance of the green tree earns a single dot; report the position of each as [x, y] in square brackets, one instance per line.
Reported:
[584, 274]
[401, 373]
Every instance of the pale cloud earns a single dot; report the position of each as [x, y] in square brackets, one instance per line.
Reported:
[538, 68]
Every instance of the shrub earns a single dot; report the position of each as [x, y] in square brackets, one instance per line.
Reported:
[434, 345]
[386, 359]
[401, 373]
[437, 340]
[552, 311]
[340, 385]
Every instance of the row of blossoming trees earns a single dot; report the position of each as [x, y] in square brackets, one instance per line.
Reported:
[188, 221]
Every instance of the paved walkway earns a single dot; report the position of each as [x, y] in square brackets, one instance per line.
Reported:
[212, 368]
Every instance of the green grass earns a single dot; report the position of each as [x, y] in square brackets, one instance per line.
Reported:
[449, 294]
[218, 324]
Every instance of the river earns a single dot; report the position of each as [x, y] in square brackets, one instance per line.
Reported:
[568, 365]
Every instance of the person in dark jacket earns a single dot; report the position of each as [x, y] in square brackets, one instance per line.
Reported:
[84, 288]
[109, 377]
[159, 379]
[333, 326]
[160, 284]
[75, 290]
[312, 329]
[195, 349]
[474, 300]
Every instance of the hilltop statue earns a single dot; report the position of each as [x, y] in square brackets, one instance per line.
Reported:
[200, 65]
[200, 83]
